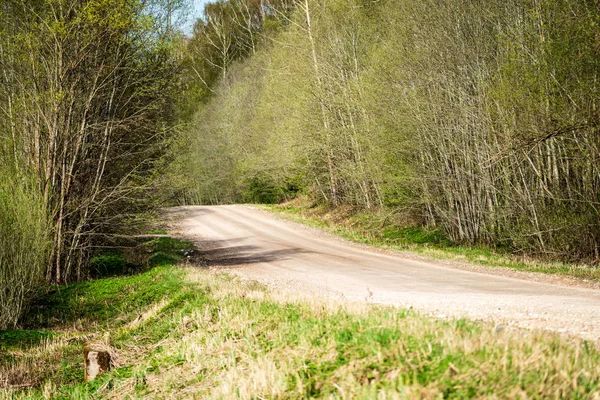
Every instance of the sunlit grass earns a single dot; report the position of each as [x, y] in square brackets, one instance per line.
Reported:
[191, 333]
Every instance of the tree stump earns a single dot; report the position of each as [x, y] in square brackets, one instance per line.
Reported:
[97, 360]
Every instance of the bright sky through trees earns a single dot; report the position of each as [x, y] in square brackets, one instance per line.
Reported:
[195, 13]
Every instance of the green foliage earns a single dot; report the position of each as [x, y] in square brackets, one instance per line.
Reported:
[86, 89]
[109, 264]
[107, 304]
[24, 244]
[166, 251]
[100, 301]
[263, 190]
[417, 235]
[46, 350]
[478, 118]
[229, 31]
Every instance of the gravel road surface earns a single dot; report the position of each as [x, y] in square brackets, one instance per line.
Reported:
[290, 256]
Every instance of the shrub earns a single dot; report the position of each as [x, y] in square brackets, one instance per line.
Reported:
[24, 239]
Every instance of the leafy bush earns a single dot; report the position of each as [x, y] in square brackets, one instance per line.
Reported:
[264, 190]
[110, 265]
[24, 239]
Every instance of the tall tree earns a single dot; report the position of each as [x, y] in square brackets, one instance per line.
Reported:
[92, 81]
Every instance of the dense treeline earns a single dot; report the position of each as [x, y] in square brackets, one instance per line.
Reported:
[478, 117]
[85, 106]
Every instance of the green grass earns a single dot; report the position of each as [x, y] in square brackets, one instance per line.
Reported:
[186, 332]
[50, 350]
[47, 348]
[22, 338]
[373, 229]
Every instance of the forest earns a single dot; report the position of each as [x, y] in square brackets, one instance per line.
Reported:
[86, 110]
[457, 143]
[475, 118]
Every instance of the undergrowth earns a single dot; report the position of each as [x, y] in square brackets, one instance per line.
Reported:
[46, 347]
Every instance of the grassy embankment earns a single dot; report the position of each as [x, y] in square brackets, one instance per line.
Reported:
[378, 229]
[182, 332]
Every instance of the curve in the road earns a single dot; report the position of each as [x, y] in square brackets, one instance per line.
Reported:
[263, 247]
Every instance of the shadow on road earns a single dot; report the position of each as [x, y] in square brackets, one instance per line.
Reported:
[226, 253]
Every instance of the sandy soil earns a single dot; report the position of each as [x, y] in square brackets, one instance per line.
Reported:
[257, 245]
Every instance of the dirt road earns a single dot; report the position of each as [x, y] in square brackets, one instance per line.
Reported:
[291, 256]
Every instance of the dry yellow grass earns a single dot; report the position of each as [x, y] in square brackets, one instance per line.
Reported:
[223, 338]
